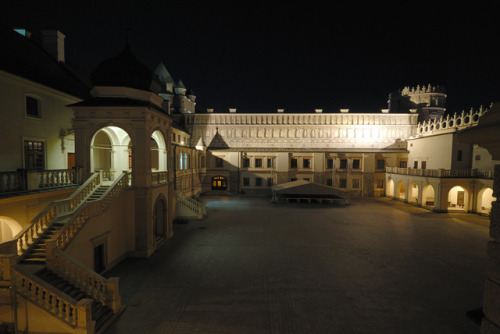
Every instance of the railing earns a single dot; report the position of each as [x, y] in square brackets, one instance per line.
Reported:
[159, 178]
[115, 189]
[193, 205]
[71, 228]
[35, 229]
[77, 314]
[67, 206]
[56, 178]
[106, 291]
[12, 182]
[442, 173]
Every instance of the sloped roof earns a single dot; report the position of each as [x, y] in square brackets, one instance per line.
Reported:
[26, 58]
[218, 143]
[302, 188]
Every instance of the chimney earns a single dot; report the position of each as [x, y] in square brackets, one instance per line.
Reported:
[344, 110]
[210, 110]
[281, 110]
[232, 109]
[53, 43]
[318, 110]
[384, 111]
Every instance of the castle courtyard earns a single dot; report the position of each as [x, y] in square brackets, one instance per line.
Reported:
[375, 266]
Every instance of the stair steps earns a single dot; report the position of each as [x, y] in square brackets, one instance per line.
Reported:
[100, 313]
[97, 194]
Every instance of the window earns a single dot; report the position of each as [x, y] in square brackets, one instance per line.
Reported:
[34, 155]
[173, 137]
[380, 183]
[269, 182]
[306, 163]
[246, 162]
[459, 155]
[415, 164]
[293, 163]
[270, 162]
[258, 162]
[33, 107]
[329, 163]
[403, 164]
[343, 183]
[246, 181]
[219, 163]
[343, 163]
[380, 164]
[258, 182]
[478, 157]
[329, 182]
[356, 164]
[424, 164]
[355, 183]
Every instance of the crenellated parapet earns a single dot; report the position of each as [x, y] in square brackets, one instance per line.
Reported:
[451, 123]
[423, 90]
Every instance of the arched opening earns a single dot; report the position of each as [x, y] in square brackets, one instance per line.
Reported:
[428, 196]
[401, 191]
[158, 152]
[389, 190]
[413, 193]
[9, 228]
[457, 199]
[219, 183]
[110, 152]
[484, 199]
[160, 218]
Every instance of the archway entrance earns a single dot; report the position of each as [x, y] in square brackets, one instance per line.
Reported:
[484, 199]
[110, 152]
[457, 199]
[413, 193]
[389, 190]
[428, 196]
[219, 183]
[9, 228]
[401, 191]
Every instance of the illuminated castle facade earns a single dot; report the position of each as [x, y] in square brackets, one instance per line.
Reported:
[98, 170]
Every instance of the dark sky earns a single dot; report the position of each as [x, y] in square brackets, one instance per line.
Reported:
[259, 56]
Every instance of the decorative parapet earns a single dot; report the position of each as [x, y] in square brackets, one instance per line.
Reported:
[442, 173]
[158, 178]
[452, 123]
[69, 205]
[198, 209]
[27, 180]
[422, 90]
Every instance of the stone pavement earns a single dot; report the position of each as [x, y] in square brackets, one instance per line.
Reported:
[376, 266]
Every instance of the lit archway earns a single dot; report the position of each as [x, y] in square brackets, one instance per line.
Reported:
[401, 190]
[389, 190]
[428, 196]
[110, 152]
[457, 199]
[484, 199]
[158, 152]
[9, 228]
[413, 193]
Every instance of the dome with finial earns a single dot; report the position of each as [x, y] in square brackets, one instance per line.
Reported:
[123, 70]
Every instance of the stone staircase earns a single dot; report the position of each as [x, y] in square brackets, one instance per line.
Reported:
[100, 313]
[98, 193]
[36, 253]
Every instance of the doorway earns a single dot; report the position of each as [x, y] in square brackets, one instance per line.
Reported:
[219, 183]
[99, 259]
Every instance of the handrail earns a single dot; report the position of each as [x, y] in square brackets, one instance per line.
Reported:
[71, 228]
[30, 233]
[77, 314]
[193, 205]
[114, 190]
[443, 173]
[106, 291]
[68, 205]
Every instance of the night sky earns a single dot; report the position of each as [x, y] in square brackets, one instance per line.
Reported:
[259, 56]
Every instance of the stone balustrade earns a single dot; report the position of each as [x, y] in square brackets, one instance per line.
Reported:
[442, 173]
[71, 228]
[35, 229]
[77, 314]
[158, 178]
[30, 180]
[67, 206]
[198, 208]
[114, 190]
[106, 291]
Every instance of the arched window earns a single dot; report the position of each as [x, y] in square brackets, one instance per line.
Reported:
[181, 160]
[185, 161]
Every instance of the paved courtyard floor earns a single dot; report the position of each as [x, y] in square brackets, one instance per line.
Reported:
[376, 266]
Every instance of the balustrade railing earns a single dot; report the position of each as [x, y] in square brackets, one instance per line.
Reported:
[70, 204]
[443, 173]
[159, 178]
[122, 182]
[71, 228]
[12, 182]
[56, 178]
[77, 314]
[106, 291]
[199, 208]
[35, 229]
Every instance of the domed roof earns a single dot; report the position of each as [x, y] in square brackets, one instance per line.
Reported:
[123, 70]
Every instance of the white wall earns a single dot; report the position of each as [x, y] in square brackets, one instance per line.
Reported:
[436, 150]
